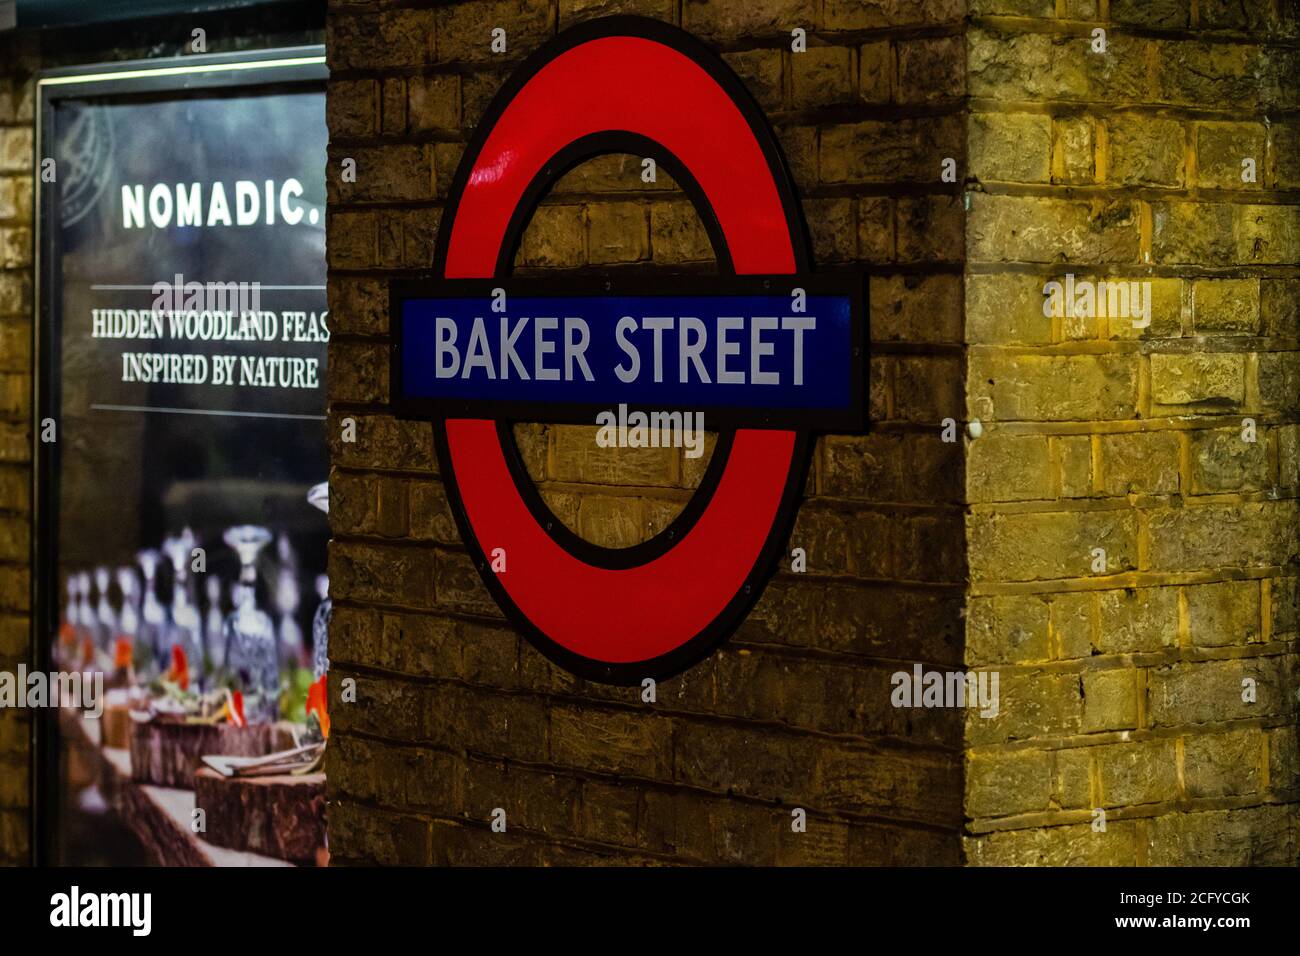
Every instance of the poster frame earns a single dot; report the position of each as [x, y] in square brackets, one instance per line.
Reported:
[301, 68]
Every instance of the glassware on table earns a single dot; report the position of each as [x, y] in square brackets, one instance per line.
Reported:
[153, 616]
[320, 628]
[213, 628]
[128, 615]
[85, 613]
[319, 497]
[128, 618]
[105, 616]
[68, 644]
[287, 598]
[251, 651]
[184, 627]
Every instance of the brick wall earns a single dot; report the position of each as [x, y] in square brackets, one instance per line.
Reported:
[17, 64]
[456, 714]
[1121, 689]
[1122, 686]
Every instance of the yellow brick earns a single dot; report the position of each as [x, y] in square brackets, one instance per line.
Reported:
[1052, 388]
[1012, 629]
[931, 69]
[1136, 773]
[1225, 614]
[1110, 700]
[617, 233]
[1198, 234]
[821, 76]
[1222, 765]
[611, 522]
[1191, 378]
[1074, 459]
[916, 308]
[1140, 463]
[554, 238]
[579, 459]
[1003, 784]
[1071, 616]
[1014, 147]
[1006, 309]
[930, 228]
[1145, 151]
[762, 73]
[1165, 297]
[1038, 229]
[1222, 461]
[1075, 140]
[677, 235]
[1063, 544]
[876, 71]
[1220, 150]
[1266, 234]
[876, 229]
[1138, 619]
[1003, 467]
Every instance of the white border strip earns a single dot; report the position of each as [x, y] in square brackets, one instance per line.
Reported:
[179, 70]
[150, 288]
[167, 410]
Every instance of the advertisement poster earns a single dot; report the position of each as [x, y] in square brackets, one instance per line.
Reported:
[186, 354]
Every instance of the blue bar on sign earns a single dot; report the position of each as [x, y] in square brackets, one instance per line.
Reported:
[660, 351]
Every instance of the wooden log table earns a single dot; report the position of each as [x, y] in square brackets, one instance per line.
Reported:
[167, 751]
[281, 815]
[160, 817]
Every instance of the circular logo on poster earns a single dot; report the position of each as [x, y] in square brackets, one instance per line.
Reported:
[85, 160]
[473, 349]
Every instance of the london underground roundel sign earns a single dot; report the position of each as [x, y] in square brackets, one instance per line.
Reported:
[765, 352]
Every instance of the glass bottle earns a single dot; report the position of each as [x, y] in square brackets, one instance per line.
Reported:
[128, 618]
[213, 627]
[153, 623]
[319, 497]
[86, 614]
[250, 635]
[69, 640]
[184, 627]
[287, 599]
[105, 616]
[320, 628]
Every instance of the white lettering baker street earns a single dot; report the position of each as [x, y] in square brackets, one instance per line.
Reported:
[631, 334]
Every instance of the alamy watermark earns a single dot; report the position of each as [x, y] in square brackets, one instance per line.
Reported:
[197, 297]
[922, 688]
[55, 689]
[74, 908]
[1099, 299]
[624, 429]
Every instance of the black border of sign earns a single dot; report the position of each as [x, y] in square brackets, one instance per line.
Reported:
[285, 69]
[848, 419]
[622, 141]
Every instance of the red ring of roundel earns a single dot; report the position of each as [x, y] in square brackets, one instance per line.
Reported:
[655, 618]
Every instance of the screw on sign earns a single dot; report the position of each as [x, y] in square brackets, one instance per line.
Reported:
[766, 350]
